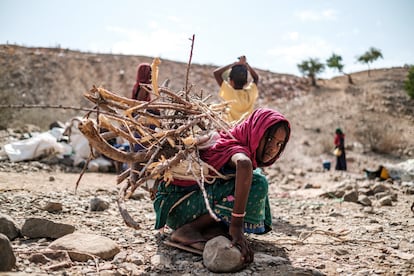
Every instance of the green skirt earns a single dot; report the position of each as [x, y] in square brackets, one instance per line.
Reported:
[175, 206]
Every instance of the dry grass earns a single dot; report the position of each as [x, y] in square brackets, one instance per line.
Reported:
[381, 137]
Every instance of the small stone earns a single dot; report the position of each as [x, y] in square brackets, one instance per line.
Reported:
[53, 207]
[98, 204]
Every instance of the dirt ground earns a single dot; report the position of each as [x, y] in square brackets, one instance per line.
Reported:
[315, 234]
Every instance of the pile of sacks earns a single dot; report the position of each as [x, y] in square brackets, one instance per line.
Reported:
[63, 141]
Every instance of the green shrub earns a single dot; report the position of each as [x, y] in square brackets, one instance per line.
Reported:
[409, 83]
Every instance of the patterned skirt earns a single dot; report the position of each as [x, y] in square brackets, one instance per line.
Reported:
[175, 206]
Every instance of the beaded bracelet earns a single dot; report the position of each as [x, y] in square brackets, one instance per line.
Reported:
[238, 215]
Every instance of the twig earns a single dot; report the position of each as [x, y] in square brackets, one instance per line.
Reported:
[188, 67]
[85, 167]
[203, 190]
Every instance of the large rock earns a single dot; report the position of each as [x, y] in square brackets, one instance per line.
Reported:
[80, 245]
[9, 227]
[7, 258]
[219, 256]
[43, 228]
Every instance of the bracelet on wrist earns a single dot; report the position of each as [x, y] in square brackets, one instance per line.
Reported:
[238, 215]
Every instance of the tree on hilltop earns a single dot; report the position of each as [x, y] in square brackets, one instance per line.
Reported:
[335, 61]
[311, 68]
[370, 56]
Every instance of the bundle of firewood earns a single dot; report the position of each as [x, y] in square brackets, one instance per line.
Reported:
[166, 131]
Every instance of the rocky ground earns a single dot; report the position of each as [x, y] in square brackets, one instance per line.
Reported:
[325, 222]
[314, 234]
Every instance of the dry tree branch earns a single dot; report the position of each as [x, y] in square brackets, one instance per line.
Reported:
[178, 118]
[188, 67]
[159, 135]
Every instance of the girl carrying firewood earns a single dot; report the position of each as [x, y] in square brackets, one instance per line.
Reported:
[241, 202]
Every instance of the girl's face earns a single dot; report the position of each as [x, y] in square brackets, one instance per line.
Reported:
[270, 145]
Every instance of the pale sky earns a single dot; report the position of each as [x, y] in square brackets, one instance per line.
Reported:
[274, 35]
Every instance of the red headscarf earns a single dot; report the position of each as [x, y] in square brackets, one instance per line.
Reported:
[247, 138]
[143, 76]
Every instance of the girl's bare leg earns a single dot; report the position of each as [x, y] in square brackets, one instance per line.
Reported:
[197, 232]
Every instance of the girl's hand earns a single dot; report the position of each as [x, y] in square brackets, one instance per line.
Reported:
[242, 59]
[240, 241]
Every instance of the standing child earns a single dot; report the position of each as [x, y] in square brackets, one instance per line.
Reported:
[143, 77]
[243, 95]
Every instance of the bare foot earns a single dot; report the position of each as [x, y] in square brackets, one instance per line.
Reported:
[187, 235]
[216, 230]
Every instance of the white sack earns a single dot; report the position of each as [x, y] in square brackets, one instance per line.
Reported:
[43, 144]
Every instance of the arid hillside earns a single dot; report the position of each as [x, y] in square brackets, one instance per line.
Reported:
[51, 76]
[375, 112]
